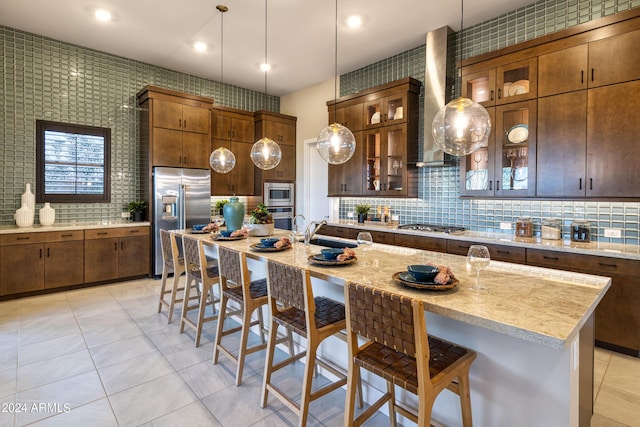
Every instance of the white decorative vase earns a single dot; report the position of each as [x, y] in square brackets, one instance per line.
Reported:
[24, 216]
[47, 215]
[29, 200]
[261, 230]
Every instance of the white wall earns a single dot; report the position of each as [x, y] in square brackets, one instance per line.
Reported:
[309, 105]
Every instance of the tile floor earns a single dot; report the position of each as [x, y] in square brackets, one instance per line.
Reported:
[102, 356]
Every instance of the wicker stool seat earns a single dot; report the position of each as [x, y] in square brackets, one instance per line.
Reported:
[172, 262]
[293, 306]
[400, 351]
[195, 263]
[236, 286]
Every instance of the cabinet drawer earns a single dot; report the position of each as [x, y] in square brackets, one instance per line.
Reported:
[22, 238]
[133, 231]
[383, 237]
[63, 236]
[107, 233]
[332, 230]
[497, 252]
[583, 263]
[421, 242]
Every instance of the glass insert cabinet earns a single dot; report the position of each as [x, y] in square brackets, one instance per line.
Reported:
[385, 153]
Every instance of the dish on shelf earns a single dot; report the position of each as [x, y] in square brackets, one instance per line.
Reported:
[519, 87]
[259, 247]
[405, 278]
[318, 259]
[375, 118]
[518, 133]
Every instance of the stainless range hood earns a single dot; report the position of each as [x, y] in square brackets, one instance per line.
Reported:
[438, 84]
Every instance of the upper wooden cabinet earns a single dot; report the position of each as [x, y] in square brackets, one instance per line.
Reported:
[175, 128]
[282, 129]
[231, 124]
[503, 84]
[386, 149]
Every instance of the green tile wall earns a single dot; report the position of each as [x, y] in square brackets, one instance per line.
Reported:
[439, 199]
[42, 78]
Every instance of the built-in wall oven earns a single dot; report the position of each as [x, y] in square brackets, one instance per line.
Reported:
[282, 217]
[279, 194]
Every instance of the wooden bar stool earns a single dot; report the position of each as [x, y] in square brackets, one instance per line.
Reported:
[236, 285]
[172, 263]
[312, 318]
[400, 351]
[204, 274]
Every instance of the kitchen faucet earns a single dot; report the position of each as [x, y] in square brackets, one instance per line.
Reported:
[308, 233]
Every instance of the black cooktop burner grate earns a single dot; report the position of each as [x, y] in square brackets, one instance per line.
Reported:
[431, 227]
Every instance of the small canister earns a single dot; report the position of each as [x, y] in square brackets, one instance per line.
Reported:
[524, 227]
[551, 229]
[580, 231]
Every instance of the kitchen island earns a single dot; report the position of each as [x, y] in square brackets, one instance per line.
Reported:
[533, 330]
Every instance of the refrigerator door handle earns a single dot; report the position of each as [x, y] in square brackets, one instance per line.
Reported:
[181, 207]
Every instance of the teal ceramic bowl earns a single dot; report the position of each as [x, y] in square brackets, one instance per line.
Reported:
[269, 242]
[423, 273]
[331, 253]
[226, 233]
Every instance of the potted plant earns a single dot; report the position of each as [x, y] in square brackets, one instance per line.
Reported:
[137, 209]
[362, 211]
[219, 205]
[262, 221]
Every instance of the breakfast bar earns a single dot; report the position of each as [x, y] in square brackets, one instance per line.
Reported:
[532, 329]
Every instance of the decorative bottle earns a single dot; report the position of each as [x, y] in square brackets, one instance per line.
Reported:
[24, 216]
[29, 199]
[233, 213]
[47, 215]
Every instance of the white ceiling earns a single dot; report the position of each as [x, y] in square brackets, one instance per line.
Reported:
[300, 33]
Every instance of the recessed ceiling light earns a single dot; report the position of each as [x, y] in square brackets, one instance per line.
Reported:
[354, 21]
[102, 15]
[200, 46]
[265, 67]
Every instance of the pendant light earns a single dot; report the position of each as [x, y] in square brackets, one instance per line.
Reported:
[336, 143]
[462, 126]
[265, 153]
[222, 160]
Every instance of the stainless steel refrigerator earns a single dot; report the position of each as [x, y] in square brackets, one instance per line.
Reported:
[182, 199]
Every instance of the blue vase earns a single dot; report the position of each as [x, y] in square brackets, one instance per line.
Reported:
[233, 213]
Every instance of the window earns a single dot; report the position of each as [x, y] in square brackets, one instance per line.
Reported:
[73, 163]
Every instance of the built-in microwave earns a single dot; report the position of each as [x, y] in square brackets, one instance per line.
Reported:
[279, 194]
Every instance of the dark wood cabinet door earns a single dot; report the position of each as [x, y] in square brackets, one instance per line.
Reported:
[242, 130]
[167, 115]
[481, 87]
[497, 252]
[22, 268]
[421, 242]
[133, 256]
[562, 145]
[167, 147]
[282, 133]
[563, 71]
[101, 259]
[614, 60]
[613, 152]
[617, 315]
[346, 179]
[335, 231]
[196, 149]
[221, 182]
[349, 116]
[243, 174]
[195, 119]
[477, 170]
[286, 170]
[64, 264]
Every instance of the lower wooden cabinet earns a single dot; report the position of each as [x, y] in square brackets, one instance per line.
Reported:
[37, 261]
[498, 252]
[421, 242]
[115, 253]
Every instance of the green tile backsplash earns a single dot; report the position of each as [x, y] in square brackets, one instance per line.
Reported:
[439, 199]
[43, 78]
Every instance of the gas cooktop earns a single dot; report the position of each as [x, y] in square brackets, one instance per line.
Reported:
[449, 229]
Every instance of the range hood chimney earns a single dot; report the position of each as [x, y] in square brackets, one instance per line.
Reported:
[438, 83]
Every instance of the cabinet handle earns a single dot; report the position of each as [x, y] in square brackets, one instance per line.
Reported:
[580, 184]
[491, 95]
[40, 252]
[497, 185]
[499, 93]
[490, 185]
[552, 258]
[115, 246]
[102, 233]
[23, 238]
[581, 76]
[66, 235]
[121, 246]
[180, 159]
[590, 183]
[592, 74]
[179, 123]
[134, 231]
[48, 252]
[602, 264]
[503, 252]
[185, 124]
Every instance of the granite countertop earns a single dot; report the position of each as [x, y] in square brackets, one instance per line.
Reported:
[540, 305]
[64, 226]
[614, 250]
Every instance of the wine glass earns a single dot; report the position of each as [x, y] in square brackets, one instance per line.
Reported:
[478, 258]
[218, 220]
[247, 226]
[365, 240]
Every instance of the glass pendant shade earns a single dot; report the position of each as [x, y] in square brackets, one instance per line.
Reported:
[222, 160]
[461, 127]
[336, 144]
[266, 154]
